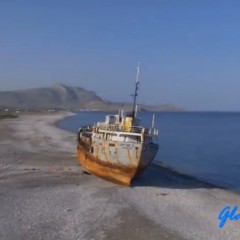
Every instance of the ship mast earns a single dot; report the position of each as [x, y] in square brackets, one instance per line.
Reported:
[136, 92]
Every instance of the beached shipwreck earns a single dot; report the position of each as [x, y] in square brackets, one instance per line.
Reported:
[118, 149]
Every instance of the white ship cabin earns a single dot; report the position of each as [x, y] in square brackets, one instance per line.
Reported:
[124, 129]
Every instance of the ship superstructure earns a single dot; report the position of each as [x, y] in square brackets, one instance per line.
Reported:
[118, 149]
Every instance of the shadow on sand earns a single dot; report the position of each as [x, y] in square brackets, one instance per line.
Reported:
[158, 176]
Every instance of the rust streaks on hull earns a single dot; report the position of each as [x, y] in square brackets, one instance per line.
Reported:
[112, 172]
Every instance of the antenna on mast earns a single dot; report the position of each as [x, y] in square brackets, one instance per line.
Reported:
[153, 120]
[136, 92]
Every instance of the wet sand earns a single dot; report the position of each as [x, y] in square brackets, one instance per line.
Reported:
[44, 194]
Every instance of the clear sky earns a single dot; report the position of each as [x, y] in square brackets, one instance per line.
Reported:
[189, 49]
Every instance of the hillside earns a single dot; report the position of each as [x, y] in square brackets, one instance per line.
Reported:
[56, 96]
[60, 96]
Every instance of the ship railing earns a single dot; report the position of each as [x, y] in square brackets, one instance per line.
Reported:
[121, 128]
[110, 127]
[137, 129]
[153, 131]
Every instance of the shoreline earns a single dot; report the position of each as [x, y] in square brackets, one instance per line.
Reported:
[49, 186]
[50, 197]
[168, 169]
[191, 177]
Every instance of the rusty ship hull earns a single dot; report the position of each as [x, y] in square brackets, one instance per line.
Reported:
[113, 159]
[110, 172]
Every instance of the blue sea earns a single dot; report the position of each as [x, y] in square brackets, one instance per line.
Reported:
[205, 145]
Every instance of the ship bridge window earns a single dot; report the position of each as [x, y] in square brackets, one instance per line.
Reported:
[130, 138]
[111, 136]
[99, 135]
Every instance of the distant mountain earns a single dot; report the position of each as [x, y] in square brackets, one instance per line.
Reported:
[56, 96]
[61, 97]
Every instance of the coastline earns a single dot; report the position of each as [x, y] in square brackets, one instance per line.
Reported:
[162, 167]
[44, 188]
[189, 177]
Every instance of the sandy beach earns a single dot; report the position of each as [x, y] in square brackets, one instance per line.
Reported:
[44, 194]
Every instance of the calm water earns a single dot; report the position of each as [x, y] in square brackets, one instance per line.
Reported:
[205, 145]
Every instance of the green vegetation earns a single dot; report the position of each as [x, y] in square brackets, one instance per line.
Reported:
[7, 115]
